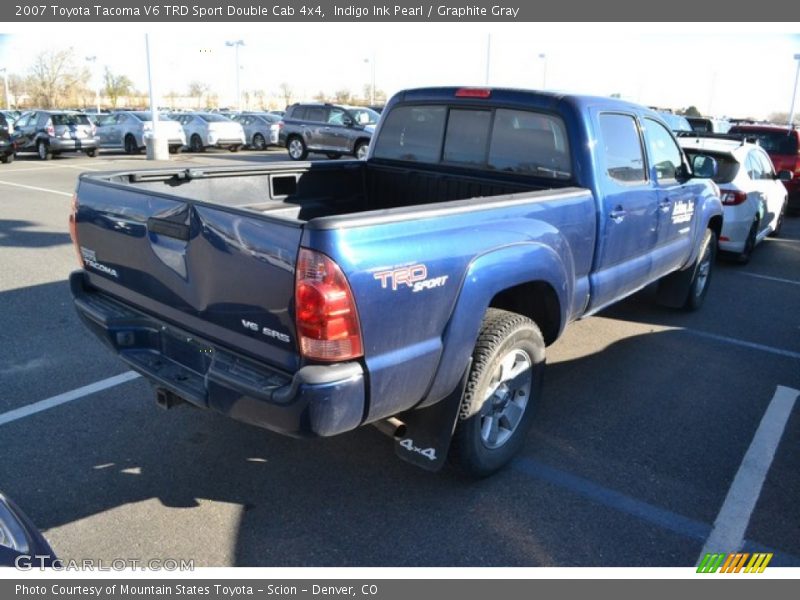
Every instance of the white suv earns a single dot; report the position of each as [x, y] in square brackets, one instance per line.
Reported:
[753, 195]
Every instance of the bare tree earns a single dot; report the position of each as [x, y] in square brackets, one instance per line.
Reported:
[778, 117]
[287, 92]
[342, 96]
[261, 97]
[172, 98]
[116, 86]
[198, 89]
[17, 88]
[55, 77]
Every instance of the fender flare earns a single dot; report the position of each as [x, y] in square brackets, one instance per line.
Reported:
[486, 276]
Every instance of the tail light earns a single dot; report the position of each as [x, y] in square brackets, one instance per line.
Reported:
[280, 125]
[93, 129]
[49, 129]
[325, 311]
[73, 228]
[730, 198]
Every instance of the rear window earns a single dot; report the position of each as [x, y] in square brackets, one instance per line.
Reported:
[70, 120]
[145, 116]
[212, 118]
[774, 142]
[727, 165]
[513, 141]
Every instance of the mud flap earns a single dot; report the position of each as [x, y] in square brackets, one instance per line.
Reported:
[428, 431]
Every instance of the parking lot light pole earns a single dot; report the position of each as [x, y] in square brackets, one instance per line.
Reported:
[543, 56]
[794, 90]
[5, 84]
[372, 89]
[157, 149]
[93, 60]
[235, 44]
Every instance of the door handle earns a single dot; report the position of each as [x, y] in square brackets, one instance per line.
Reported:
[617, 214]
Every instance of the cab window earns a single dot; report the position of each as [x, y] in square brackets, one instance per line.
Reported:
[665, 156]
[622, 148]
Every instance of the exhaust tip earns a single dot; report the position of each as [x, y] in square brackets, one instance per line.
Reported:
[392, 427]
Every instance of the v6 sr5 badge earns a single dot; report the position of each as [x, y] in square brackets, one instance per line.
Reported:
[414, 277]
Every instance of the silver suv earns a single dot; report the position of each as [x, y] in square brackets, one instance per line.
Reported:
[328, 129]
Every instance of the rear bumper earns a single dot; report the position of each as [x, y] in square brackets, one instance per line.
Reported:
[318, 400]
[64, 145]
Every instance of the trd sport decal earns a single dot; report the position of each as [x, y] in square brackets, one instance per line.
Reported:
[414, 277]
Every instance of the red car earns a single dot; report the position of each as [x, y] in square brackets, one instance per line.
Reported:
[783, 146]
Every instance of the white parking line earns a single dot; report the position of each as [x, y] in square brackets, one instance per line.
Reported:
[734, 516]
[743, 343]
[769, 278]
[38, 189]
[48, 168]
[36, 407]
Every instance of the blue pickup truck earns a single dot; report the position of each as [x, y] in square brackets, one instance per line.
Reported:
[416, 290]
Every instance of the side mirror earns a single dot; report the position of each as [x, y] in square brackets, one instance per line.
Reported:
[704, 166]
[785, 175]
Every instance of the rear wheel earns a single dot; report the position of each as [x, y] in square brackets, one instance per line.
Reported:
[131, 147]
[750, 243]
[91, 152]
[43, 150]
[175, 149]
[779, 224]
[502, 389]
[259, 143]
[7, 158]
[196, 144]
[296, 148]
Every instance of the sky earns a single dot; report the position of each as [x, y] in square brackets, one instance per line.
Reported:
[732, 70]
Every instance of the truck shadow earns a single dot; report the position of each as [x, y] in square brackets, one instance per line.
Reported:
[347, 500]
[18, 234]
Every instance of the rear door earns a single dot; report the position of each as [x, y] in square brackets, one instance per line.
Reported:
[336, 134]
[628, 220]
[772, 188]
[313, 127]
[677, 202]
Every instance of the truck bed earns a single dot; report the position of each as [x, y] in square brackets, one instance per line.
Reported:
[309, 191]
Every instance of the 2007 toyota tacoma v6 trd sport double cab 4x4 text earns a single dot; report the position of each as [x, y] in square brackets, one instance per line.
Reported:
[416, 290]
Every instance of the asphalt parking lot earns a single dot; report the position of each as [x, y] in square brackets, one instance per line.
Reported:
[642, 433]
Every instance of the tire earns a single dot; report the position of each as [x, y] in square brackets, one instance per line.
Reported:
[779, 225]
[131, 147]
[750, 243]
[360, 151]
[7, 158]
[507, 368]
[92, 153]
[296, 148]
[333, 155]
[234, 148]
[701, 272]
[175, 149]
[259, 143]
[196, 144]
[43, 150]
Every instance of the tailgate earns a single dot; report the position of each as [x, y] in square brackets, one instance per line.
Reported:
[219, 273]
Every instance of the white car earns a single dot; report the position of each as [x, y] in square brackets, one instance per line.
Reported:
[210, 130]
[753, 196]
[128, 130]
